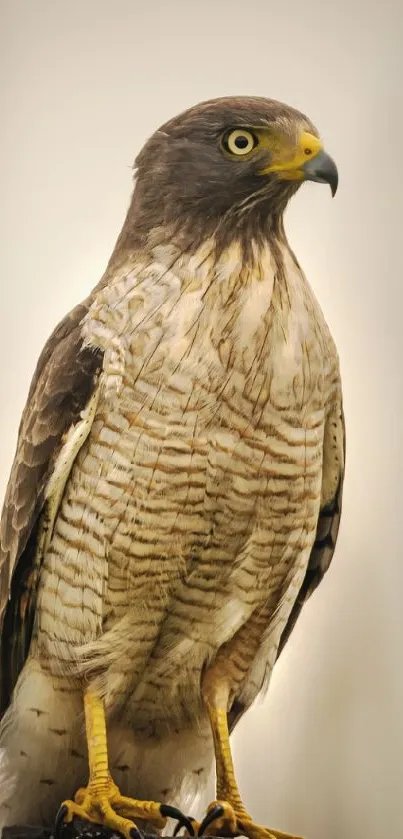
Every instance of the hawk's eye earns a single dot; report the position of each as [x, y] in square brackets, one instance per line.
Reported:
[239, 141]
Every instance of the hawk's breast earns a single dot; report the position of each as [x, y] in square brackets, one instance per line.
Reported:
[195, 498]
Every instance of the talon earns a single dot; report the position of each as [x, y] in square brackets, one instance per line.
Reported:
[215, 813]
[60, 819]
[192, 827]
[174, 813]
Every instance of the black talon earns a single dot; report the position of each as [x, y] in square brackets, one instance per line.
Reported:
[59, 820]
[216, 813]
[180, 825]
[135, 834]
[175, 813]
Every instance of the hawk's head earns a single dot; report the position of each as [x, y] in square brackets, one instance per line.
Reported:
[227, 167]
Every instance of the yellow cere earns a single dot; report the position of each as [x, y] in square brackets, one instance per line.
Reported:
[289, 161]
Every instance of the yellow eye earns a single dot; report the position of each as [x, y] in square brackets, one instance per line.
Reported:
[239, 141]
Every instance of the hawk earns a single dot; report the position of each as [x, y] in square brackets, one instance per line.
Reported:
[175, 495]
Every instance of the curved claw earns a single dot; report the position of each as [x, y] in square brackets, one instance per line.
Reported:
[59, 820]
[174, 813]
[215, 813]
[189, 827]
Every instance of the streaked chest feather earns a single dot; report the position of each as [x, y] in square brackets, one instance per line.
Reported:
[196, 493]
[204, 332]
[210, 418]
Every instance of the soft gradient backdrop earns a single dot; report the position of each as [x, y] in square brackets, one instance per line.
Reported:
[83, 83]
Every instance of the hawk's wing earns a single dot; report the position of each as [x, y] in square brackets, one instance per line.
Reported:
[334, 452]
[327, 527]
[56, 420]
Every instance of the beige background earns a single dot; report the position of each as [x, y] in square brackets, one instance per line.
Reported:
[83, 83]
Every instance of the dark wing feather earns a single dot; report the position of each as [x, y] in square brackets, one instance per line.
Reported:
[320, 559]
[62, 385]
[326, 531]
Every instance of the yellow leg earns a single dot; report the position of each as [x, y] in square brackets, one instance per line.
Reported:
[227, 816]
[100, 801]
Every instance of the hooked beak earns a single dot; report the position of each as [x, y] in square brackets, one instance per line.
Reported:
[321, 169]
[307, 161]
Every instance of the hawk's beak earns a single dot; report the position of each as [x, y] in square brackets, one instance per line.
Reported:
[322, 169]
[307, 162]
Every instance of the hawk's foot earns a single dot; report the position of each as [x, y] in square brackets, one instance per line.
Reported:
[103, 804]
[222, 819]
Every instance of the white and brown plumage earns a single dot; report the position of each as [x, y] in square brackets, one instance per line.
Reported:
[176, 491]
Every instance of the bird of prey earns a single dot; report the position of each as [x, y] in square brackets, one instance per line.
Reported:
[176, 490]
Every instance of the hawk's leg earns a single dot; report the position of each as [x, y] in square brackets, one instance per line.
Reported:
[226, 816]
[100, 801]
